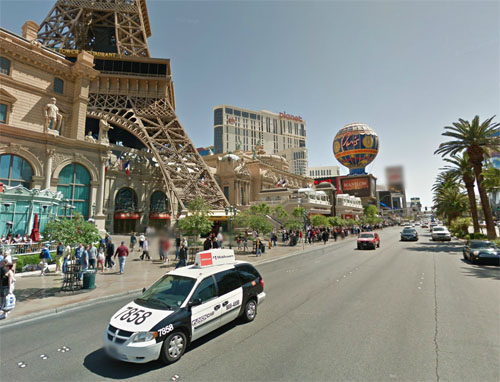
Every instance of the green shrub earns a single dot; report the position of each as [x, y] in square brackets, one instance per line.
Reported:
[23, 260]
[476, 236]
[460, 227]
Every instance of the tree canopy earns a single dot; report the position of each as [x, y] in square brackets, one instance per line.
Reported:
[255, 218]
[72, 231]
[198, 219]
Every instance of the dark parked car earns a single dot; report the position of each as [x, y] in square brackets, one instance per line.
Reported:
[478, 250]
[409, 234]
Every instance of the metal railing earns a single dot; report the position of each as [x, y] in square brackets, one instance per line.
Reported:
[21, 249]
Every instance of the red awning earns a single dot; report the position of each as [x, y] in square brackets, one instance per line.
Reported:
[127, 215]
[159, 216]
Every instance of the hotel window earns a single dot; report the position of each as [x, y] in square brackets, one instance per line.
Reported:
[58, 85]
[244, 114]
[74, 184]
[237, 112]
[4, 66]
[253, 116]
[3, 113]
[229, 111]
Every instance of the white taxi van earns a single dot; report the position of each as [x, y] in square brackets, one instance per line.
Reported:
[184, 305]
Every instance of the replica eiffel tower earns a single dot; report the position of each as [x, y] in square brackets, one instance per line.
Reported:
[133, 91]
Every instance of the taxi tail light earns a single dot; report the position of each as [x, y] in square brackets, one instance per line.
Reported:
[262, 282]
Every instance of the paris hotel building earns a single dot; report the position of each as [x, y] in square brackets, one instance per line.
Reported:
[283, 134]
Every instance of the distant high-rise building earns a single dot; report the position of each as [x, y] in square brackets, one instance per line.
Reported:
[236, 128]
[415, 203]
[323, 171]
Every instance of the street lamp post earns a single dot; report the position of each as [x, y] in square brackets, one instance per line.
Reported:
[230, 212]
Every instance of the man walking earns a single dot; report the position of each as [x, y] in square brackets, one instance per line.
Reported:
[145, 249]
[122, 253]
[110, 250]
[84, 261]
[177, 246]
[44, 259]
[182, 255]
[92, 256]
[133, 241]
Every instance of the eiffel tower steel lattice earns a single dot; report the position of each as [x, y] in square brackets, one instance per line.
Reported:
[141, 103]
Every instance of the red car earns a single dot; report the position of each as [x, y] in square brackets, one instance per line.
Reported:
[368, 240]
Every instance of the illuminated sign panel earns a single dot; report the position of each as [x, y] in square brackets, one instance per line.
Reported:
[214, 257]
[296, 118]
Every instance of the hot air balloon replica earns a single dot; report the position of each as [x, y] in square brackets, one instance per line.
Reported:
[356, 146]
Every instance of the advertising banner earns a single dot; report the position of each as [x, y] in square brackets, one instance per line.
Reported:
[359, 186]
[395, 180]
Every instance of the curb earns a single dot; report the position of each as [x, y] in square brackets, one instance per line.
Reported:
[104, 299]
[66, 308]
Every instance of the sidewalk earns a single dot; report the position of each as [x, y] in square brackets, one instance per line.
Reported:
[38, 295]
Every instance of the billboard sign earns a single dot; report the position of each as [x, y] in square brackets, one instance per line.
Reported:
[395, 179]
[358, 186]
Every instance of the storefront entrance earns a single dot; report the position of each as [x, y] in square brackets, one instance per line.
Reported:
[124, 225]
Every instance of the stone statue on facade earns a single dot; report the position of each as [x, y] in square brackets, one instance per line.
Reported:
[104, 127]
[53, 118]
[89, 137]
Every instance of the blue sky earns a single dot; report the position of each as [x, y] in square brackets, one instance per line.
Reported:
[405, 68]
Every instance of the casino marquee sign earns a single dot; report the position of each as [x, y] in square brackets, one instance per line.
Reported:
[356, 146]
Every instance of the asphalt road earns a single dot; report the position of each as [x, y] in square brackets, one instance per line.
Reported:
[405, 312]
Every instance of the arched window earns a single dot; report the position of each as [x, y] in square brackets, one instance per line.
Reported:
[126, 200]
[158, 202]
[74, 183]
[15, 170]
[4, 66]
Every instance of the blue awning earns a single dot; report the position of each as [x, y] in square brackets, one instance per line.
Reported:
[385, 205]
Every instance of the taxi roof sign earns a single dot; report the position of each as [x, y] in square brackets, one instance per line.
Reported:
[213, 257]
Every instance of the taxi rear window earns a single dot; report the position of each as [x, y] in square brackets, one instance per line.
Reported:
[247, 272]
[227, 281]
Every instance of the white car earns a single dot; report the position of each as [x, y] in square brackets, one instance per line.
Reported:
[184, 305]
[440, 233]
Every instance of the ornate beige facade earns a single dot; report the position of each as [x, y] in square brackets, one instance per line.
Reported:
[243, 175]
[85, 110]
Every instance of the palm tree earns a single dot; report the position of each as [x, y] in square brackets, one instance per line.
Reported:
[461, 169]
[476, 139]
[450, 203]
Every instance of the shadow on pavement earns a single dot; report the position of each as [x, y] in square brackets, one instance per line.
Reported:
[39, 293]
[488, 269]
[450, 248]
[98, 362]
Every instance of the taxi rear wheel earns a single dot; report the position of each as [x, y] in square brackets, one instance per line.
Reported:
[250, 310]
[173, 347]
